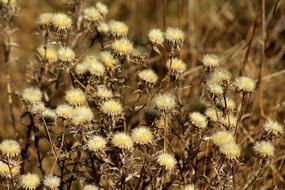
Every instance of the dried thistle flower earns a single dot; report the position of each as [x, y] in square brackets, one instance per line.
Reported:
[9, 173]
[82, 115]
[32, 95]
[75, 97]
[222, 137]
[37, 108]
[231, 105]
[176, 66]
[167, 160]
[231, 150]
[102, 8]
[138, 53]
[49, 114]
[198, 120]
[122, 47]
[118, 29]
[108, 60]
[264, 148]
[103, 92]
[122, 140]
[103, 28]
[215, 90]
[96, 68]
[174, 37]
[44, 20]
[142, 135]
[148, 75]
[156, 37]
[66, 54]
[92, 15]
[61, 22]
[165, 102]
[48, 54]
[189, 187]
[210, 61]
[212, 115]
[65, 111]
[90, 187]
[51, 182]
[273, 127]
[225, 120]
[96, 143]
[10, 148]
[81, 68]
[244, 84]
[112, 107]
[221, 77]
[30, 181]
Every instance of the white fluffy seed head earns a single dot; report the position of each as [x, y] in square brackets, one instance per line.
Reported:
[32, 95]
[10, 148]
[174, 34]
[37, 108]
[103, 28]
[176, 66]
[51, 182]
[90, 187]
[108, 60]
[96, 68]
[61, 21]
[198, 120]
[244, 84]
[165, 102]
[92, 14]
[49, 54]
[49, 114]
[148, 75]
[45, 19]
[212, 115]
[142, 135]
[189, 187]
[103, 92]
[66, 54]
[222, 137]
[118, 29]
[81, 68]
[65, 111]
[231, 105]
[210, 60]
[102, 8]
[273, 127]
[221, 77]
[215, 90]
[167, 160]
[82, 115]
[122, 140]
[264, 148]
[29, 181]
[122, 47]
[112, 107]
[231, 150]
[96, 143]
[156, 37]
[75, 97]
[9, 173]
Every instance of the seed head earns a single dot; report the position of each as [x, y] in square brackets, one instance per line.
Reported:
[118, 29]
[45, 20]
[49, 114]
[142, 135]
[61, 22]
[215, 90]
[231, 105]
[176, 66]
[30, 181]
[49, 54]
[221, 77]
[108, 60]
[122, 47]
[174, 37]
[96, 143]
[231, 150]
[10, 148]
[210, 61]
[198, 120]
[212, 115]
[91, 14]
[32, 95]
[37, 108]
[102, 8]
[264, 148]
[189, 187]
[75, 97]
[222, 137]
[82, 115]
[103, 92]
[122, 140]
[81, 68]
[165, 102]
[273, 127]
[65, 111]
[245, 84]
[112, 107]
[96, 68]
[148, 75]
[167, 160]
[103, 28]
[52, 182]
[155, 36]
[66, 54]
[90, 187]
[8, 173]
